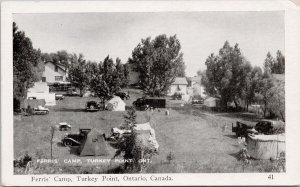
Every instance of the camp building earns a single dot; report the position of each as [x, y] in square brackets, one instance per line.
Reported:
[179, 85]
[54, 72]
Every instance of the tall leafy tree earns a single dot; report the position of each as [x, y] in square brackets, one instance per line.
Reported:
[27, 64]
[158, 61]
[226, 74]
[122, 73]
[269, 63]
[77, 73]
[279, 67]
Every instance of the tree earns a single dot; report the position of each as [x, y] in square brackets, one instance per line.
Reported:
[226, 75]
[122, 73]
[106, 80]
[77, 73]
[100, 88]
[61, 57]
[277, 100]
[263, 95]
[269, 64]
[27, 65]
[110, 75]
[279, 67]
[158, 61]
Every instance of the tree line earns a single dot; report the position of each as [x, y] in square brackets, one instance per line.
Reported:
[158, 61]
[231, 77]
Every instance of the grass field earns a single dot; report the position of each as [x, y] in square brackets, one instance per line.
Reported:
[194, 137]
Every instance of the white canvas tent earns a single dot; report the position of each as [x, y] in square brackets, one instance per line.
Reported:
[266, 146]
[211, 102]
[116, 104]
[147, 127]
[40, 90]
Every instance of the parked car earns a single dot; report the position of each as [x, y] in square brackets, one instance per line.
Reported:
[73, 92]
[145, 103]
[75, 139]
[39, 110]
[197, 100]
[64, 126]
[59, 96]
[122, 95]
[93, 106]
[270, 127]
[266, 127]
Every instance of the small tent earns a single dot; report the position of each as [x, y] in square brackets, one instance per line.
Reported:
[116, 104]
[212, 102]
[33, 103]
[266, 146]
[40, 90]
[94, 144]
[148, 131]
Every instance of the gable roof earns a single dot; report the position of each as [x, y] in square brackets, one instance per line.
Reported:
[180, 80]
[60, 66]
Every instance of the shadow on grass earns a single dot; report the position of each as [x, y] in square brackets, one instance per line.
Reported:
[231, 136]
[235, 155]
[75, 150]
[70, 110]
[242, 116]
[59, 144]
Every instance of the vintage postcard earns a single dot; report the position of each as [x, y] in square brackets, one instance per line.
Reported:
[150, 93]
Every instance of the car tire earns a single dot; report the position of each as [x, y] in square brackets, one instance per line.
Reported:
[67, 143]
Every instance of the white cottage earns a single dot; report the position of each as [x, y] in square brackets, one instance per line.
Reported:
[54, 72]
[179, 85]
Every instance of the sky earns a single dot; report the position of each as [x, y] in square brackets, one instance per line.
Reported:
[97, 35]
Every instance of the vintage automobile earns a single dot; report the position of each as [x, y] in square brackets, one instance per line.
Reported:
[73, 92]
[270, 127]
[93, 106]
[266, 127]
[59, 97]
[118, 133]
[146, 103]
[75, 139]
[122, 95]
[197, 100]
[63, 126]
[40, 110]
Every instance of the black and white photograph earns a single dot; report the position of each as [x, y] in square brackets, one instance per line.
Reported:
[170, 92]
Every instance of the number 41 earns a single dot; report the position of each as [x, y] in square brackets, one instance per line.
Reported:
[270, 177]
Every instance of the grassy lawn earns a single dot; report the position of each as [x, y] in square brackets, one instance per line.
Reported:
[194, 137]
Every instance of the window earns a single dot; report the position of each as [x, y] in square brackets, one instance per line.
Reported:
[43, 79]
[58, 78]
[56, 69]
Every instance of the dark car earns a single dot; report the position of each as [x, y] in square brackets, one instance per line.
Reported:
[122, 95]
[73, 92]
[59, 97]
[64, 127]
[75, 139]
[197, 100]
[266, 127]
[93, 106]
[270, 127]
[146, 103]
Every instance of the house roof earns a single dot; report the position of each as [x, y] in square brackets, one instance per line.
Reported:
[180, 80]
[60, 66]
